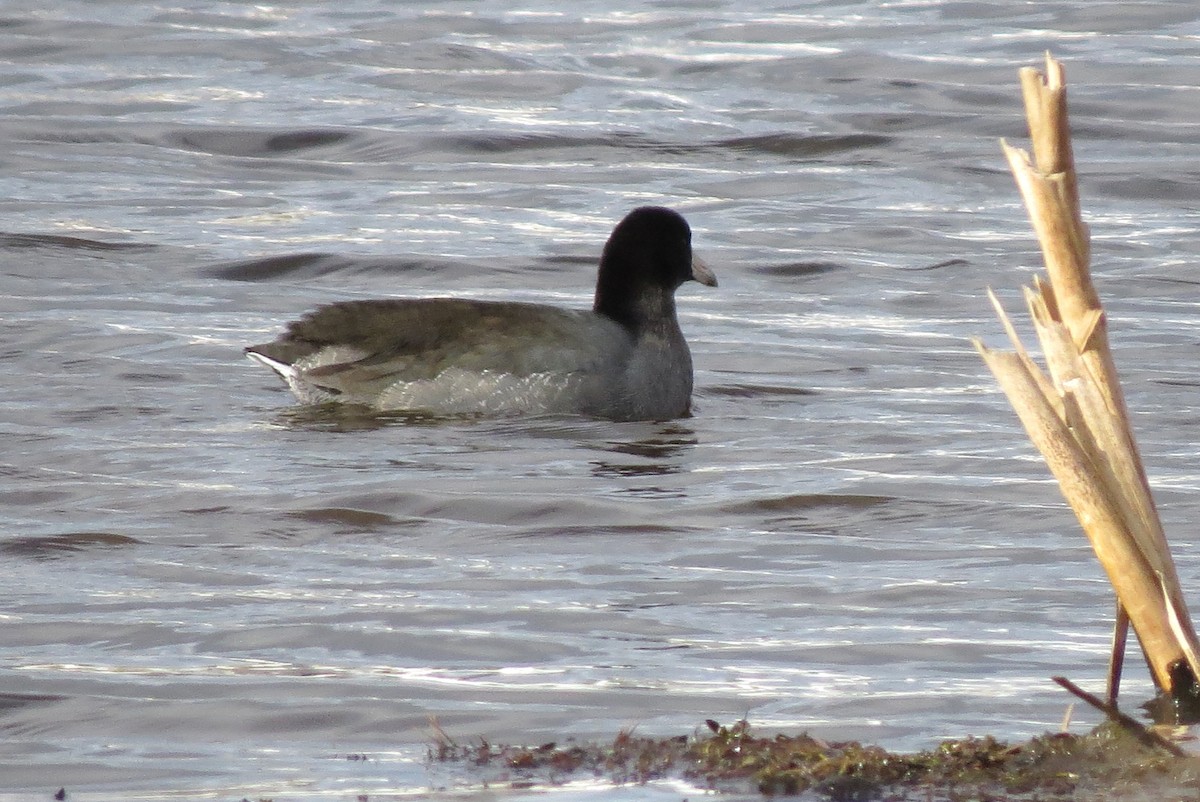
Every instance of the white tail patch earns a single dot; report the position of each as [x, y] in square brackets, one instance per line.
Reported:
[285, 371]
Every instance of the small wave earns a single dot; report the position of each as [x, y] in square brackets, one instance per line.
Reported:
[795, 269]
[313, 264]
[253, 142]
[47, 546]
[808, 501]
[12, 240]
[346, 518]
[806, 146]
[755, 390]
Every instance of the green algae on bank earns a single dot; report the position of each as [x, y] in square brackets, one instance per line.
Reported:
[1107, 764]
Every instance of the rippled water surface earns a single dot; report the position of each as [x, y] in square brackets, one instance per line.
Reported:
[209, 592]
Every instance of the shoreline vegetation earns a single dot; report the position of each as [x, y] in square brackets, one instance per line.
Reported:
[1110, 763]
[1074, 412]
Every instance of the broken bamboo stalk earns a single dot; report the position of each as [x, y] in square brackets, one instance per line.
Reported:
[1074, 411]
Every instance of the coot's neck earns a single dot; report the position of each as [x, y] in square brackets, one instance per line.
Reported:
[638, 306]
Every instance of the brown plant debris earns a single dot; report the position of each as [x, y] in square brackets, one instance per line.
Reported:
[1107, 764]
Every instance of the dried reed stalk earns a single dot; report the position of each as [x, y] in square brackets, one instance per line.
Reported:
[1074, 411]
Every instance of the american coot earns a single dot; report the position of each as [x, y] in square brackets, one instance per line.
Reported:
[625, 359]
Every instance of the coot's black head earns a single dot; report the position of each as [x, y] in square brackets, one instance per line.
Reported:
[647, 257]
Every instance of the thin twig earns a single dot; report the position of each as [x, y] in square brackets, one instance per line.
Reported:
[1131, 725]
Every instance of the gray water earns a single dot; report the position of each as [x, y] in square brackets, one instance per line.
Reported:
[211, 593]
